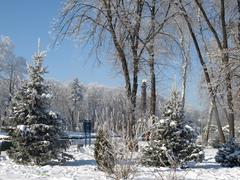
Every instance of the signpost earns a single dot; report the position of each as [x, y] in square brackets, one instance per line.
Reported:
[87, 131]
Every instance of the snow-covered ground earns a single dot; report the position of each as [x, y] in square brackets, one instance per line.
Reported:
[84, 168]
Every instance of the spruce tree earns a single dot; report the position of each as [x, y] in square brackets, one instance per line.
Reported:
[229, 154]
[104, 152]
[173, 141]
[36, 130]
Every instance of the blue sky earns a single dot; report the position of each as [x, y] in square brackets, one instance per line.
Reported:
[24, 21]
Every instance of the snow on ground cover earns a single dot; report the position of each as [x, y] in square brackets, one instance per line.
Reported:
[207, 170]
[78, 135]
[84, 168]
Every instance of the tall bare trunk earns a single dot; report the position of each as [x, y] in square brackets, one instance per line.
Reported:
[184, 81]
[153, 86]
[238, 36]
[11, 87]
[210, 115]
[206, 73]
[185, 52]
[152, 62]
[228, 72]
[144, 99]
[238, 4]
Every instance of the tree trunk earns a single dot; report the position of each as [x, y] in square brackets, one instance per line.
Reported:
[11, 86]
[184, 65]
[228, 72]
[184, 81]
[219, 126]
[152, 63]
[73, 122]
[134, 93]
[238, 36]
[210, 115]
[144, 99]
[153, 87]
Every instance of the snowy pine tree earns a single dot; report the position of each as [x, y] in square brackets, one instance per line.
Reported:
[37, 130]
[172, 139]
[229, 154]
[103, 152]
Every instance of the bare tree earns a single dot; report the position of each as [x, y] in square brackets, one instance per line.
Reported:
[184, 45]
[205, 69]
[115, 18]
[121, 22]
[12, 71]
[223, 47]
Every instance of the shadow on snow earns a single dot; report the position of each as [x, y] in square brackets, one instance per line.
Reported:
[80, 163]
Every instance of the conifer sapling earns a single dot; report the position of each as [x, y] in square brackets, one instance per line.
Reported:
[104, 152]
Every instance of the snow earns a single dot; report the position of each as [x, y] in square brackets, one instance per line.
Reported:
[189, 127]
[144, 81]
[22, 128]
[162, 121]
[78, 135]
[207, 170]
[163, 148]
[84, 168]
[169, 111]
[53, 114]
[46, 95]
[173, 124]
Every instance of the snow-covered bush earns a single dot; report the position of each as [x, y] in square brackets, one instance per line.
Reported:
[36, 130]
[127, 160]
[104, 152]
[229, 154]
[173, 140]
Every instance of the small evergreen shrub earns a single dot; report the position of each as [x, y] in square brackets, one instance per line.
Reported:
[104, 152]
[172, 140]
[229, 154]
